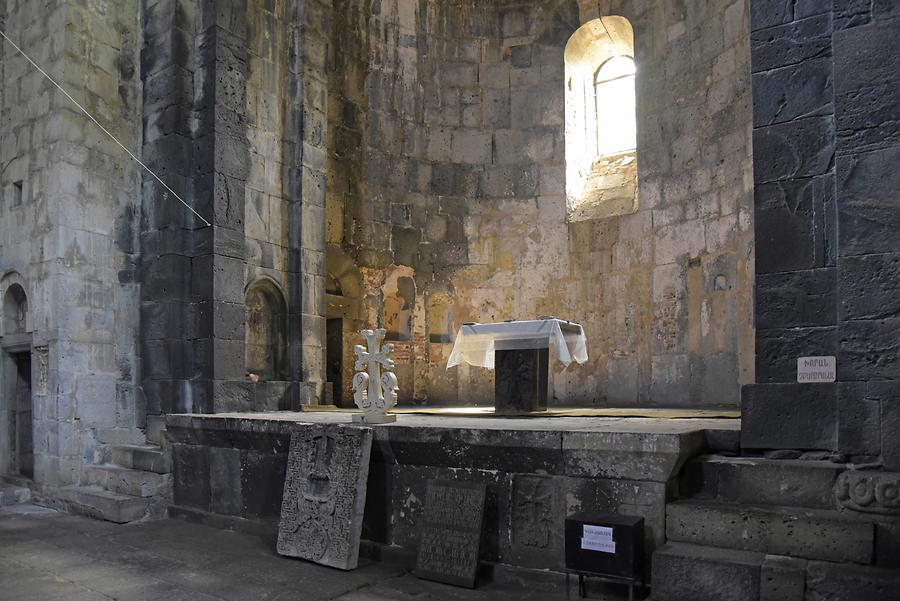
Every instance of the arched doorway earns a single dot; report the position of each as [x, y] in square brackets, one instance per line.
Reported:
[17, 406]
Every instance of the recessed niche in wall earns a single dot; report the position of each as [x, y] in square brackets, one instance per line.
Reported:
[17, 189]
[265, 339]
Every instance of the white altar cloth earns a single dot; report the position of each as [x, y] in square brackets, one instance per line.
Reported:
[475, 343]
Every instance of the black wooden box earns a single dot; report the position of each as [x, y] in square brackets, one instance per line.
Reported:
[607, 545]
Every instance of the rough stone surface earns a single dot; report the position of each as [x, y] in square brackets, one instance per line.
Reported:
[324, 494]
[806, 533]
[782, 579]
[830, 581]
[751, 480]
[683, 572]
[781, 416]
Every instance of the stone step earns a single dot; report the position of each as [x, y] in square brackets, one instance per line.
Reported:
[792, 531]
[761, 481]
[148, 458]
[125, 481]
[156, 429]
[101, 504]
[842, 582]
[684, 572]
[10, 494]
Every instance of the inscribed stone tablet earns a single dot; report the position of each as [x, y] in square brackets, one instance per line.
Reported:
[325, 494]
[450, 545]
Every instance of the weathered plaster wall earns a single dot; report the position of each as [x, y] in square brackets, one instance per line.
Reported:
[72, 240]
[447, 162]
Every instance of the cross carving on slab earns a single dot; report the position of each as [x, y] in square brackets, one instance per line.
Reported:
[374, 392]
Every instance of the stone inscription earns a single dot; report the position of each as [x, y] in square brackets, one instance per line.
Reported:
[325, 494]
[450, 544]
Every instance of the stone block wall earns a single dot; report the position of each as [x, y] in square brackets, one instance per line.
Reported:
[447, 166]
[230, 471]
[70, 239]
[825, 111]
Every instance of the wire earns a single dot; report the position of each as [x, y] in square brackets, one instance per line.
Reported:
[106, 131]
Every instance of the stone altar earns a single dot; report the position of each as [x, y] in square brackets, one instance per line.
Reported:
[325, 494]
[519, 352]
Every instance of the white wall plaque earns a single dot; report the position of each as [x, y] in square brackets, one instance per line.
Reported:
[816, 369]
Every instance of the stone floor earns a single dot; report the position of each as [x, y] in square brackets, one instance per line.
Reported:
[51, 556]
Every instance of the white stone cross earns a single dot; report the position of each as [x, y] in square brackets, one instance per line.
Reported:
[374, 392]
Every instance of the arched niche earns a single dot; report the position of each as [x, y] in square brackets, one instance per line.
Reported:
[399, 303]
[16, 318]
[601, 120]
[265, 331]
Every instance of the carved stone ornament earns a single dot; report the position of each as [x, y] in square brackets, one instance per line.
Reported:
[869, 491]
[325, 494]
[374, 391]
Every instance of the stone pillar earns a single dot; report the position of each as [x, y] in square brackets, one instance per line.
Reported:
[193, 274]
[827, 194]
[306, 155]
[195, 71]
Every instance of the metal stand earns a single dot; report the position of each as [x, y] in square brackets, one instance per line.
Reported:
[608, 579]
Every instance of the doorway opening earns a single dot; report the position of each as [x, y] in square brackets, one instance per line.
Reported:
[22, 438]
[334, 357]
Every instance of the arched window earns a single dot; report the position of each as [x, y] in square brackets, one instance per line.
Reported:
[601, 120]
[614, 106]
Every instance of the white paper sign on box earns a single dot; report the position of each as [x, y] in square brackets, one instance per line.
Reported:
[604, 546]
[597, 532]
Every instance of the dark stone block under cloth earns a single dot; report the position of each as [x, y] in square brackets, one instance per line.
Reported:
[520, 353]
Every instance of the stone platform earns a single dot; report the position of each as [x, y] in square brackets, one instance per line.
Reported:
[229, 470]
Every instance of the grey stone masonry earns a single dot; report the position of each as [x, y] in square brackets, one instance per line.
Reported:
[826, 146]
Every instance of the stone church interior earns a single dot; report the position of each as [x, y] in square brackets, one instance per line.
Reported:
[507, 299]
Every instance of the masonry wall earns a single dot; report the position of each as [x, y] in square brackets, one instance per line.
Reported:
[447, 167]
[71, 243]
[234, 99]
[826, 141]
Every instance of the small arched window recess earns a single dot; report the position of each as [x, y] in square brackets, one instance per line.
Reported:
[614, 106]
[601, 120]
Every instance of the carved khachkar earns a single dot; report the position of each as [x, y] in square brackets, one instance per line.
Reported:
[325, 494]
[869, 491]
[374, 392]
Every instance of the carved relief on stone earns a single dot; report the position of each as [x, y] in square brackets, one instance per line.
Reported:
[325, 494]
[534, 504]
[375, 392]
[869, 491]
[41, 355]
